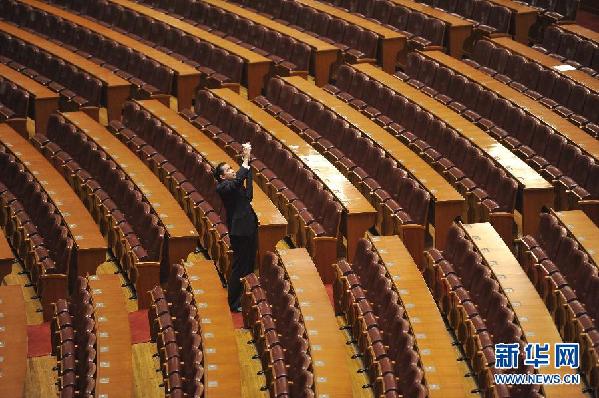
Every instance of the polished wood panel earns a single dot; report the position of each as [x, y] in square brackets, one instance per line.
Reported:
[530, 311]
[581, 31]
[523, 17]
[187, 78]
[549, 62]
[534, 191]
[6, 257]
[13, 342]
[90, 247]
[583, 230]
[448, 203]
[358, 212]
[257, 66]
[221, 359]
[116, 90]
[272, 226]
[327, 345]
[457, 29]
[114, 375]
[561, 125]
[390, 41]
[443, 373]
[181, 234]
[323, 53]
[42, 101]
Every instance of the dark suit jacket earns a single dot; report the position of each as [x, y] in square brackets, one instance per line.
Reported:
[241, 219]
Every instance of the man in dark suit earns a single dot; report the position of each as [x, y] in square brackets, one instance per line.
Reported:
[241, 221]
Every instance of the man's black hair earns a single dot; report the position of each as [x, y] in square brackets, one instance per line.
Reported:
[218, 171]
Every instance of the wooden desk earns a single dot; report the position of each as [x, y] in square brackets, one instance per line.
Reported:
[533, 193]
[443, 373]
[7, 257]
[390, 41]
[116, 90]
[583, 230]
[457, 29]
[327, 343]
[272, 227]
[524, 300]
[561, 125]
[323, 53]
[42, 100]
[256, 66]
[358, 212]
[523, 17]
[448, 203]
[114, 374]
[13, 336]
[187, 78]
[548, 62]
[581, 31]
[180, 232]
[221, 359]
[89, 245]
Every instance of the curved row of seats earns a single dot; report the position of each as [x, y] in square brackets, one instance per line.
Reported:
[33, 225]
[175, 327]
[364, 293]
[134, 232]
[356, 43]
[557, 160]
[313, 211]
[271, 310]
[566, 97]
[73, 334]
[562, 9]
[470, 170]
[361, 160]
[14, 102]
[183, 170]
[76, 87]
[476, 308]
[289, 55]
[572, 49]
[566, 278]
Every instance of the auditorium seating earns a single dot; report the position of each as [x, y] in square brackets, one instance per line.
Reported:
[134, 233]
[566, 93]
[555, 150]
[294, 329]
[194, 334]
[14, 340]
[91, 340]
[14, 104]
[578, 51]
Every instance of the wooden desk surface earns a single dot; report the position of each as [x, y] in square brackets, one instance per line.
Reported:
[440, 189]
[327, 343]
[172, 216]
[114, 377]
[444, 16]
[517, 7]
[225, 44]
[312, 41]
[6, 253]
[526, 176]
[266, 211]
[96, 70]
[547, 61]
[177, 66]
[561, 125]
[26, 83]
[443, 372]
[13, 339]
[364, 23]
[84, 230]
[528, 306]
[581, 31]
[583, 229]
[343, 190]
[221, 359]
